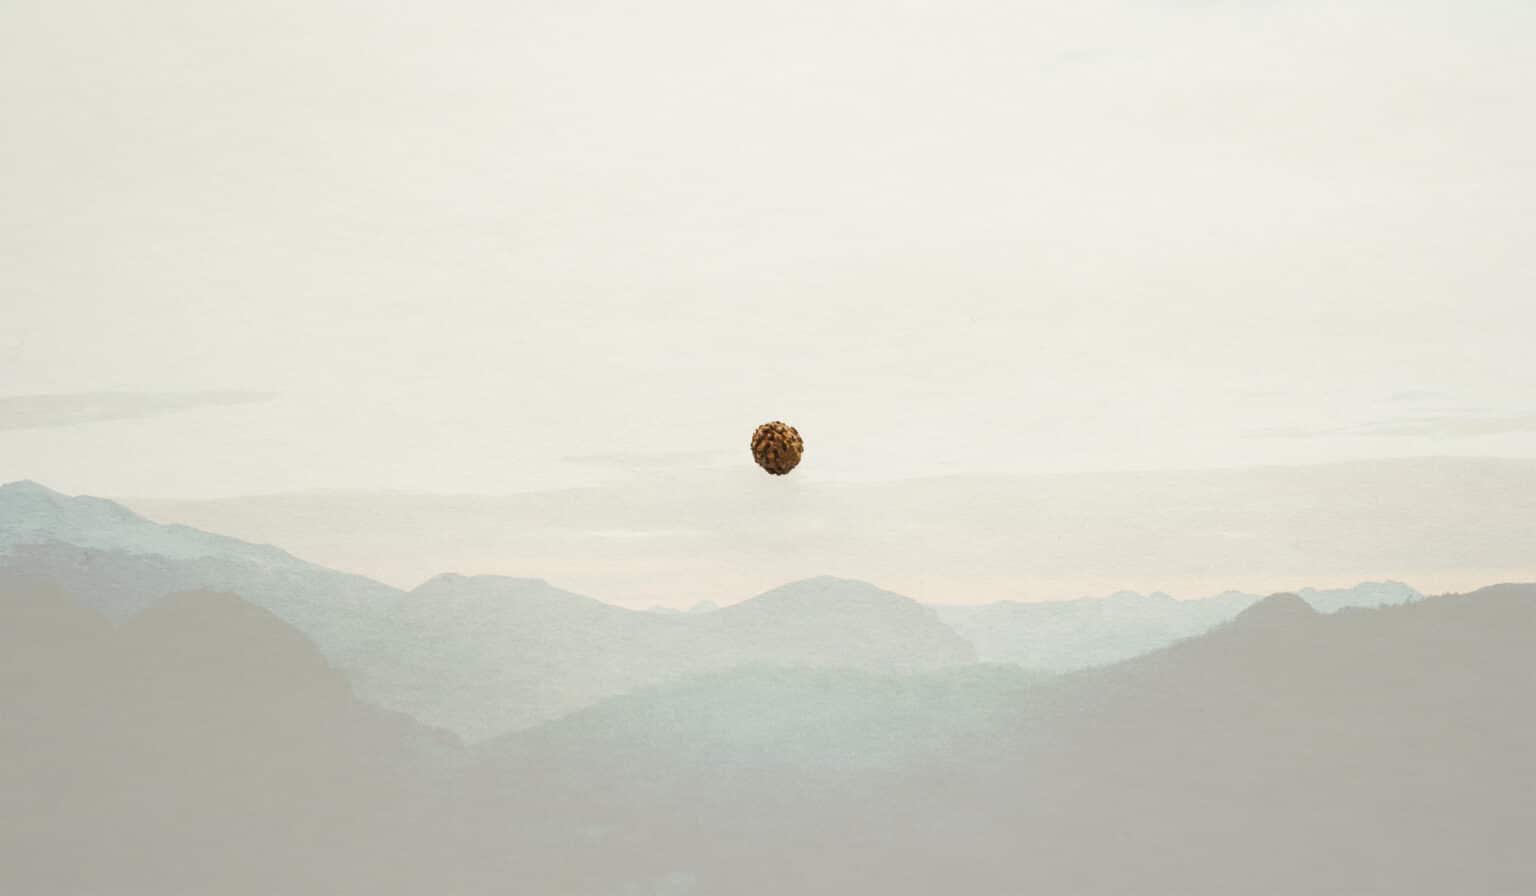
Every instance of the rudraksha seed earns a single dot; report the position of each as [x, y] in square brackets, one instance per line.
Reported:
[777, 447]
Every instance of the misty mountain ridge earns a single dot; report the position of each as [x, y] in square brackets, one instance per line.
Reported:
[1276, 609]
[826, 737]
[492, 653]
[1061, 636]
[517, 589]
[479, 655]
[703, 606]
[31, 514]
[970, 538]
[483, 655]
[120, 563]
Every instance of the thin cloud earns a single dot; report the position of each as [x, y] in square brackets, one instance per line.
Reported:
[1418, 395]
[648, 460]
[1449, 426]
[44, 411]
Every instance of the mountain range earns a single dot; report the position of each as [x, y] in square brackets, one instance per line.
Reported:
[479, 655]
[484, 655]
[1367, 751]
[1061, 636]
[679, 536]
[204, 745]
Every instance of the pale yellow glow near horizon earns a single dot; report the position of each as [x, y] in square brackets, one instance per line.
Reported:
[492, 249]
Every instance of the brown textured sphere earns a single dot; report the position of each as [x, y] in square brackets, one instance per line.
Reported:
[777, 447]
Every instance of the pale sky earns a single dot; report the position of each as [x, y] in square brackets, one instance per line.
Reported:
[493, 247]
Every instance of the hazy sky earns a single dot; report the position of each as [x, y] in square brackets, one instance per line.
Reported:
[253, 247]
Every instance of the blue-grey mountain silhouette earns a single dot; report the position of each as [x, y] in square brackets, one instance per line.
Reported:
[479, 655]
[1372, 751]
[492, 654]
[205, 746]
[201, 746]
[1063, 636]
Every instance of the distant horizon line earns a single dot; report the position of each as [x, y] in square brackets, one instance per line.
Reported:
[685, 600]
[805, 476]
[654, 606]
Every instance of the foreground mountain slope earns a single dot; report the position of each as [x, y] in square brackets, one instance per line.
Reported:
[1366, 751]
[202, 746]
[1371, 751]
